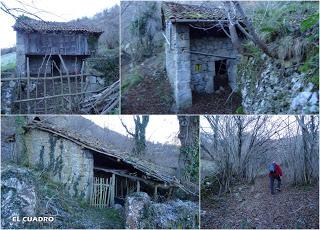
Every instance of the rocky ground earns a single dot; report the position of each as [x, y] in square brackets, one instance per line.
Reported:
[143, 213]
[252, 206]
[25, 192]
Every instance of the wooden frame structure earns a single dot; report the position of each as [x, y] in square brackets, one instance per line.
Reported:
[66, 93]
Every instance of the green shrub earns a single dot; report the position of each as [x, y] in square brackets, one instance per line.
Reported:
[130, 81]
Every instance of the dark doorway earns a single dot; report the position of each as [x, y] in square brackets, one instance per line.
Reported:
[56, 65]
[221, 74]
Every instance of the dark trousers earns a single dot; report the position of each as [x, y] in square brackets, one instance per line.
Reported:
[272, 178]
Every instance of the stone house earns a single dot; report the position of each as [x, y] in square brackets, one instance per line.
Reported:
[79, 162]
[200, 57]
[46, 45]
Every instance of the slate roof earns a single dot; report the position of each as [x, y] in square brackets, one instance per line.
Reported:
[146, 167]
[24, 23]
[176, 11]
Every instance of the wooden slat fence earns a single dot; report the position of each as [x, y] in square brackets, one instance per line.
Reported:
[103, 192]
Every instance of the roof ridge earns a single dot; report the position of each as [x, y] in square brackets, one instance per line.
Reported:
[173, 10]
[31, 24]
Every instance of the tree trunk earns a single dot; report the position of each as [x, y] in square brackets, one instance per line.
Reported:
[232, 27]
[253, 35]
[139, 134]
[189, 150]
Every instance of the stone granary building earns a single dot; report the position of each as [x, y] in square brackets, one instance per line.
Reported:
[64, 44]
[200, 57]
[90, 170]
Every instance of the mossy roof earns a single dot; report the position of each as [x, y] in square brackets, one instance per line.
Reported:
[24, 23]
[174, 11]
[146, 167]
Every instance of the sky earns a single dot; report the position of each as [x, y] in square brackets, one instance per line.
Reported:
[49, 10]
[163, 129]
[204, 125]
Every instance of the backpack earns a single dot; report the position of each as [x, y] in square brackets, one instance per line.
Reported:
[272, 168]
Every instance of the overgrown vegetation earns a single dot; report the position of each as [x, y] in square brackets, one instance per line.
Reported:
[8, 62]
[291, 31]
[52, 200]
[105, 64]
[141, 30]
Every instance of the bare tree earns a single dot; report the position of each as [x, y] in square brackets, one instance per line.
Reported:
[242, 147]
[139, 133]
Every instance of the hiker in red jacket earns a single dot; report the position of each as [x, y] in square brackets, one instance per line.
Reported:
[275, 172]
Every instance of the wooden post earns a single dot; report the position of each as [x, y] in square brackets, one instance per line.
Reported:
[105, 193]
[155, 195]
[28, 85]
[81, 79]
[108, 192]
[101, 192]
[138, 186]
[69, 83]
[112, 190]
[45, 84]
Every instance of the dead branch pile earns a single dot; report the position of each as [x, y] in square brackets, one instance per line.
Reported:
[103, 102]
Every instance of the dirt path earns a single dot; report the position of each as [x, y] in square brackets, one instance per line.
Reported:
[252, 206]
[150, 96]
[214, 103]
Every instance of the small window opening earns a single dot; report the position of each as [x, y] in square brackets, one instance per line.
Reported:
[198, 67]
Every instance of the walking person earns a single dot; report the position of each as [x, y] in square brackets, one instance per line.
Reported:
[275, 173]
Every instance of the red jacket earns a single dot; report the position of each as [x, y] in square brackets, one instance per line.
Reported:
[278, 171]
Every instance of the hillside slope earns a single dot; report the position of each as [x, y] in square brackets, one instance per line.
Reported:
[252, 206]
[290, 82]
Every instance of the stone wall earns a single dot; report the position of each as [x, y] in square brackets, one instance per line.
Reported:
[202, 79]
[178, 63]
[190, 71]
[20, 54]
[65, 161]
[278, 91]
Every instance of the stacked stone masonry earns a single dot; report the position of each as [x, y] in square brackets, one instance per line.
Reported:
[64, 161]
[190, 62]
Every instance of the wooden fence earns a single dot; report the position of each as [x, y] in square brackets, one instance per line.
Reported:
[46, 93]
[103, 192]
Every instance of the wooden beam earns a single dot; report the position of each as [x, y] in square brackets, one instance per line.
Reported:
[41, 78]
[55, 96]
[214, 55]
[150, 182]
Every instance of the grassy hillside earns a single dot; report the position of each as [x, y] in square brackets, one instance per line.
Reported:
[8, 61]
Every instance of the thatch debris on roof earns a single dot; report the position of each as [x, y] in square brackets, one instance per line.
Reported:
[151, 170]
[24, 23]
[177, 11]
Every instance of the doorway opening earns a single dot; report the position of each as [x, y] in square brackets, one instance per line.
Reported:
[56, 65]
[221, 75]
